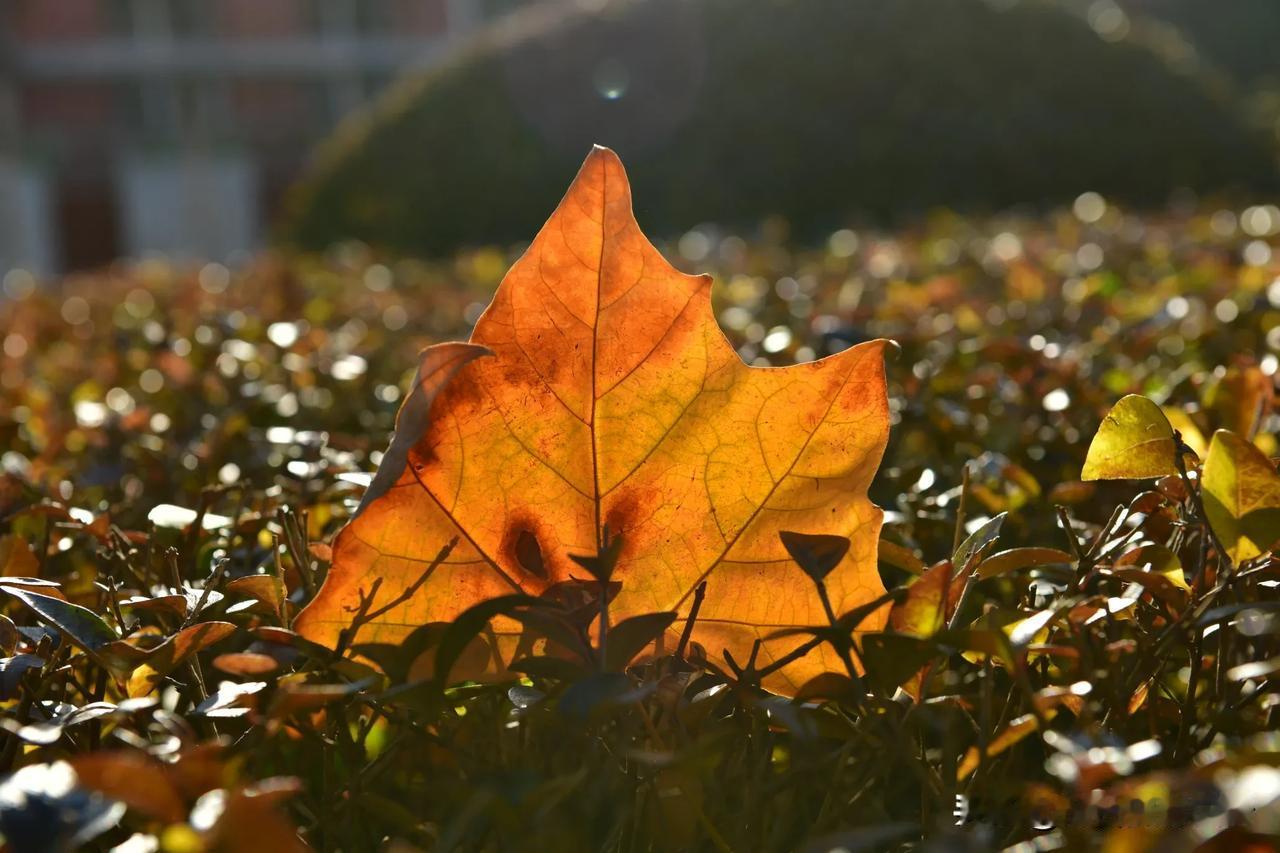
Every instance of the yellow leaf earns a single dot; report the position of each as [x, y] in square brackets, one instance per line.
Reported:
[1134, 442]
[166, 657]
[900, 557]
[921, 612]
[1191, 434]
[1241, 496]
[1009, 736]
[597, 392]
[269, 591]
[1157, 559]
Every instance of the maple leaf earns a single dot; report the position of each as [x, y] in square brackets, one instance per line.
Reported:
[598, 394]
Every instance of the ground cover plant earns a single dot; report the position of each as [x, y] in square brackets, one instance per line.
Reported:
[1075, 647]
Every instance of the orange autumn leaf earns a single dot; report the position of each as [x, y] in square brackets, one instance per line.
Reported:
[598, 392]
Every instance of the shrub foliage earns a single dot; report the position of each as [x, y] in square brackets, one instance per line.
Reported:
[181, 444]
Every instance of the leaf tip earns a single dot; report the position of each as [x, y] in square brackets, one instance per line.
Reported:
[607, 158]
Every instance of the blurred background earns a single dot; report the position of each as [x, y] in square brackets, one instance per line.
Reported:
[209, 129]
[133, 126]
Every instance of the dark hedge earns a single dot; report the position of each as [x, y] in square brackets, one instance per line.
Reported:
[1238, 36]
[814, 109]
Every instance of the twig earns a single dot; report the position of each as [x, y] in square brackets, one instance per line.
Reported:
[1188, 714]
[297, 550]
[359, 619]
[112, 600]
[416, 585]
[1072, 542]
[214, 581]
[207, 495]
[365, 614]
[961, 509]
[809, 645]
[841, 645]
[791, 656]
[699, 593]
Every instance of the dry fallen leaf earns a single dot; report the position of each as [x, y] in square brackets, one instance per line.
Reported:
[597, 391]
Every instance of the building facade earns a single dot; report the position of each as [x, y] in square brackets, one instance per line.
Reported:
[130, 127]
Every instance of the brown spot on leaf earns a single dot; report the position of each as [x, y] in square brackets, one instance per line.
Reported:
[422, 456]
[522, 549]
[630, 511]
[463, 396]
[529, 554]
